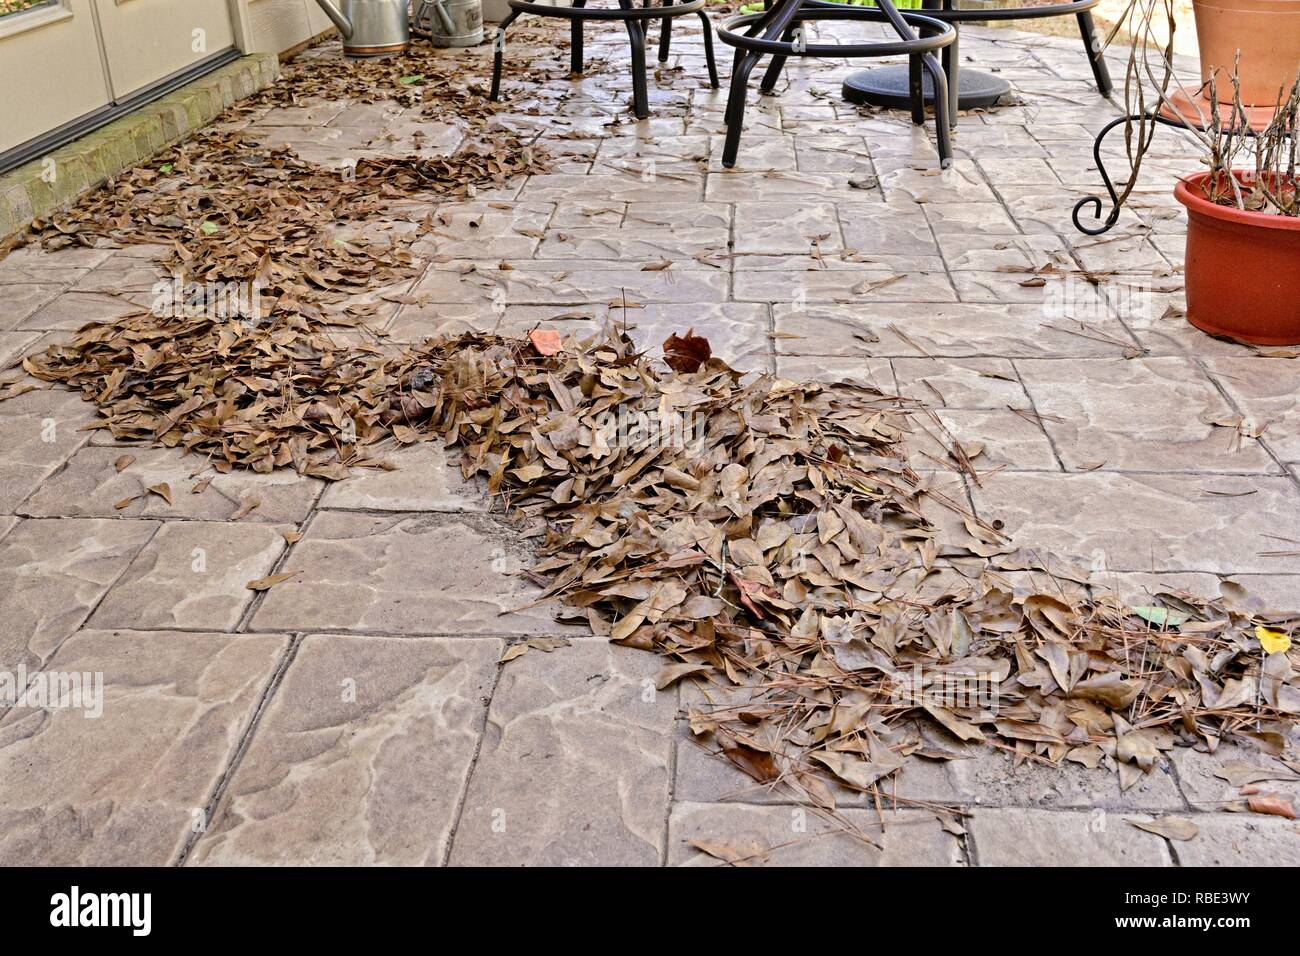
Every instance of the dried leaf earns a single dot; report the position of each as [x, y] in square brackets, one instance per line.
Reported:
[1172, 828]
[686, 353]
[1272, 804]
[271, 580]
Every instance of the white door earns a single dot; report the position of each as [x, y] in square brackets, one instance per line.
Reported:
[147, 40]
[66, 60]
[50, 68]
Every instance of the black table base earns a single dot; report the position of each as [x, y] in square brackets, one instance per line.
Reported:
[890, 87]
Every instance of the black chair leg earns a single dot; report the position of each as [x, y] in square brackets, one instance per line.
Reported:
[636, 37]
[575, 41]
[665, 35]
[708, 50]
[735, 114]
[1092, 43]
[916, 89]
[498, 52]
[952, 66]
[943, 110]
[774, 68]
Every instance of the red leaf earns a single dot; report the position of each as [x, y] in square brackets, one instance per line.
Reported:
[1279, 806]
[546, 341]
[686, 353]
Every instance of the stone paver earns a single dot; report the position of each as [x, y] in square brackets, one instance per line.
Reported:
[585, 726]
[92, 486]
[406, 573]
[1223, 524]
[1142, 415]
[1267, 391]
[54, 574]
[362, 756]
[1019, 837]
[836, 250]
[129, 786]
[39, 431]
[993, 439]
[193, 575]
[994, 778]
[935, 329]
[1240, 839]
[795, 836]
[423, 480]
[1208, 792]
[961, 383]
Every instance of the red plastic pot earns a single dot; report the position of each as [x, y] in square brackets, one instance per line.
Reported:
[1242, 268]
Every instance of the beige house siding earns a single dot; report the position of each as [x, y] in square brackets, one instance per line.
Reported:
[109, 49]
[31, 104]
[277, 26]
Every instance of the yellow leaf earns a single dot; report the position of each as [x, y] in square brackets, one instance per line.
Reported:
[1273, 642]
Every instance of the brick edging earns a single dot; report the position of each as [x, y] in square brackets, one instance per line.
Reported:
[37, 189]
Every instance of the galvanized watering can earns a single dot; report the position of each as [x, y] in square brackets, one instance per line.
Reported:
[370, 27]
[450, 22]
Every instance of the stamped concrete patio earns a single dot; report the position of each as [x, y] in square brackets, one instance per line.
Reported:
[358, 713]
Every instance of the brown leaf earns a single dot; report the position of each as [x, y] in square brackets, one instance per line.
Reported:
[271, 580]
[1173, 828]
[751, 855]
[675, 672]
[246, 507]
[757, 763]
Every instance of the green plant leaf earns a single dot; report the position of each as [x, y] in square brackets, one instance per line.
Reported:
[1159, 616]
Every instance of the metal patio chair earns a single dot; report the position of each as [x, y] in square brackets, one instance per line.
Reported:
[634, 17]
[777, 31]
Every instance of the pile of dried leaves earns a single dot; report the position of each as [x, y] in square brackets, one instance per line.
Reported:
[257, 377]
[254, 379]
[767, 536]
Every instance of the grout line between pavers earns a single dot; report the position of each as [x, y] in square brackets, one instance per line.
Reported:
[1042, 423]
[1294, 477]
[463, 797]
[223, 782]
[664, 846]
[116, 580]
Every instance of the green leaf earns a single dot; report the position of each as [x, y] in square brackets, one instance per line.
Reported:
[208, 227]
[166, 168]
[413, 79]
[1160, 616]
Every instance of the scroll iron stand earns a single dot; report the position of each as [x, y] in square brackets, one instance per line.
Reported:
[1156, 115]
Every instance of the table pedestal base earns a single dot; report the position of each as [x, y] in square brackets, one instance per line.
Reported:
[887, 86]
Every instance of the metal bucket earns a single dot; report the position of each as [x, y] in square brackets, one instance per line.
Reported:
[370, 27]
[451, 22]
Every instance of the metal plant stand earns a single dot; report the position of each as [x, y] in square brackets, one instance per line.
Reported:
[634, 17]
[1166, 114]
[888, 85]
[778, 31]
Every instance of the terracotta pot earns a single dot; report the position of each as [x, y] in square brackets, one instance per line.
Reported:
[1268, 34]
[1241, 268]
